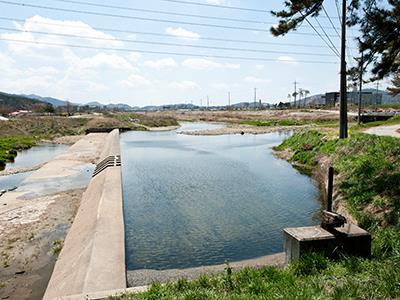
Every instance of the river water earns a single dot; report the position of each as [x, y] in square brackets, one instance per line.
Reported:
[203, 200]
[29, 158]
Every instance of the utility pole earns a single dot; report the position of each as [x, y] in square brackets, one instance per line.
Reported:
[208, 102]
[201, 102]
[361, 84]
[255, 98]
[295, 93]
[229, 100]
[343, 133]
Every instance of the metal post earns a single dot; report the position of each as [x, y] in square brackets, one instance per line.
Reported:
[330, 189]
[343, 80]
[255, 98]
[361, 84]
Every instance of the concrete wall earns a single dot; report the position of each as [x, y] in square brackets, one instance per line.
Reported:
[93, 256]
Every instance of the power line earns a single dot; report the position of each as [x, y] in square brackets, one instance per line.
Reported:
[140, 18]
[104, 29]
[167, 12]
[162, 12]
[349, 52]
[165, 44]
[333, 50]
[130, 17]
[330, 20]
[164, 52]
[218, 6]
[338, 11]
[330, 41]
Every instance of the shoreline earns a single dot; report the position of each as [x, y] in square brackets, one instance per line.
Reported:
[242, 129]
[143, 277]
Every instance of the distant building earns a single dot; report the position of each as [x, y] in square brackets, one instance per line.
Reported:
[370, 97]
[19, 113]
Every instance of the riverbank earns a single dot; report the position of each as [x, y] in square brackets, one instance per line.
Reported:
[146, 277]
[242, 129]
[35, 218]
[367, 177]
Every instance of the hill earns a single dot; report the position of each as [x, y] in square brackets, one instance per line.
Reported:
[53, 101]
[9, 103]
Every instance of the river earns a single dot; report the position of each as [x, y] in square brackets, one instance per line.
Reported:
[203, 200]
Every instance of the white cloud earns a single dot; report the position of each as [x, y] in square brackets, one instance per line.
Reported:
[135, 80]
[184, 85]
[45, 70]
[182, 33]
[163, 63]
[200, 64]
[232, 66]
[260, 67]
[287, 60]
[134, 56]
[206, 64]
[42, 24]
[101, 60]
[5, 61]
[252, 79]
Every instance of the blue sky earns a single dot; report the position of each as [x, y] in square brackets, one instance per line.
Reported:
[83, 75]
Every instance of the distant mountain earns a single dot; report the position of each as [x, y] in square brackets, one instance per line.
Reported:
[10, 102]
[111, 106]
[94, 104]
[53, 101]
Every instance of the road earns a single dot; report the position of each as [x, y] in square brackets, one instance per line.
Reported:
[392, 130]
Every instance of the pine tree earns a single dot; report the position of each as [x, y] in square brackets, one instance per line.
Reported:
[379, 23]
[395, 89]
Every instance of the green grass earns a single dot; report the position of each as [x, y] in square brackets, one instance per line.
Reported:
[312, 277]
[369, 179]
[369, 168]
[9, 146]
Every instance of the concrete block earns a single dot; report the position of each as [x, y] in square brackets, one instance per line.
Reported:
[350, 239]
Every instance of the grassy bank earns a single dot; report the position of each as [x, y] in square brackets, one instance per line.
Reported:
[368, 171]
[148, 120]
[9, 146]
[368, 177]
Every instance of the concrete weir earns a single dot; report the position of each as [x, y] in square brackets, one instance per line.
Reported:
[93, 256]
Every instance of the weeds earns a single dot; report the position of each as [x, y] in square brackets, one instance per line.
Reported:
[57, 246]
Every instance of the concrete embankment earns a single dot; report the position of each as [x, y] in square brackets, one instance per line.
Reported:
[93, 256]
[38, 214]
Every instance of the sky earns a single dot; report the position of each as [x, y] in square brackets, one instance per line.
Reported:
[112, 61]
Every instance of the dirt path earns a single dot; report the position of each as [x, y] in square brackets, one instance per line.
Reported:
[392, 130]
[35, 218]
